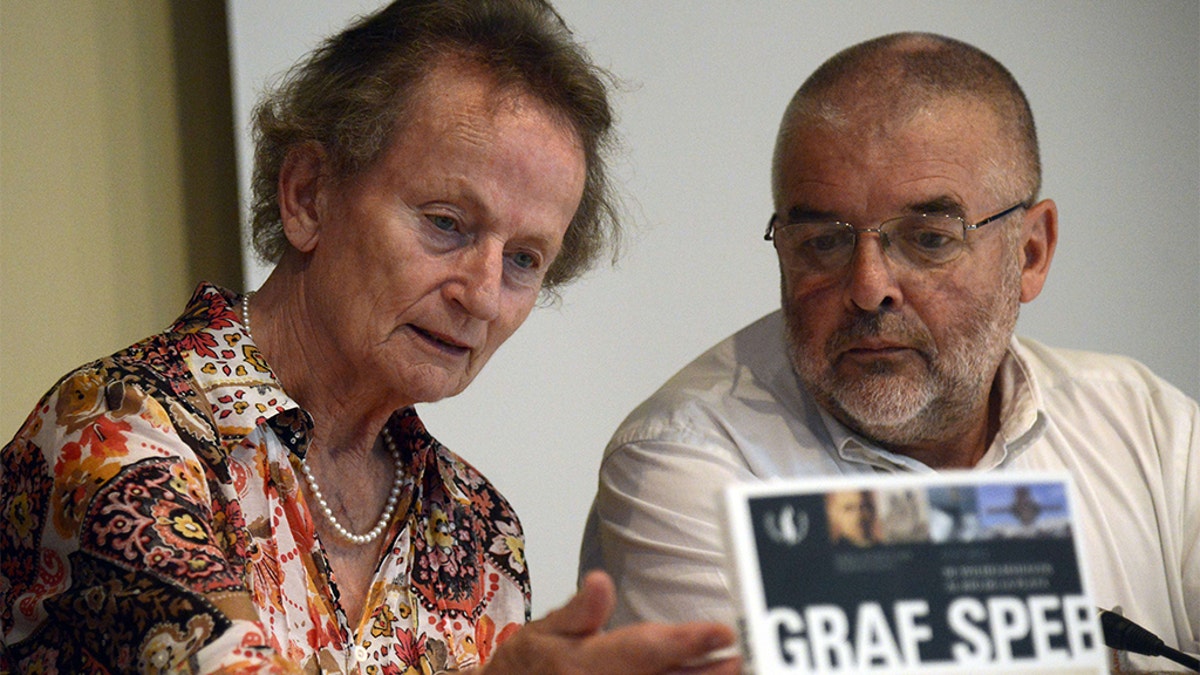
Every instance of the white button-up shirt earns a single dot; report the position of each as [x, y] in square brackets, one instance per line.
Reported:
[1130, 441]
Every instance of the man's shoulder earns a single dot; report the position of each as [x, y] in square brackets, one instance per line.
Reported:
[748, 366]
[1058, 369]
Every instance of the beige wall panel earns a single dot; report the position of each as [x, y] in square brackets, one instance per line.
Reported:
[92, 253]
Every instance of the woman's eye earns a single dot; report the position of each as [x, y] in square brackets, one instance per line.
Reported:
[525, 260]
[442, 231]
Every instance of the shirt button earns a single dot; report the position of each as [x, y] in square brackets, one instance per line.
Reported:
[360, 652]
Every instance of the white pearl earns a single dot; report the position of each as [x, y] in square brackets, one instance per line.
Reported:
[246, 313]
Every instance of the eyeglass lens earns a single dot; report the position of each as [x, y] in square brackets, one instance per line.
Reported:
[918, 241]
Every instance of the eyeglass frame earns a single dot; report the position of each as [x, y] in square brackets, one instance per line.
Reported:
[769, 235]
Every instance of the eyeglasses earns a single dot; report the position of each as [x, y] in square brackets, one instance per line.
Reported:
[922, 241]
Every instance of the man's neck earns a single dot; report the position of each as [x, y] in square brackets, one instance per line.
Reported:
[961, 446]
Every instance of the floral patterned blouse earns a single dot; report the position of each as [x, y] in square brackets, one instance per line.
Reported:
[151, 520]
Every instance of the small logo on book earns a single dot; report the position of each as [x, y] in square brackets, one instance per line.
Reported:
[786, 526]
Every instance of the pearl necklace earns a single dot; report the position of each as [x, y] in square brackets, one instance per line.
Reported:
[388, 510]
[397, 480]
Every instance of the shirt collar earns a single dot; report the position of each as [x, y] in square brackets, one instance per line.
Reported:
[421, 451]
[1022, 411]
[244, 392]
[231, 372]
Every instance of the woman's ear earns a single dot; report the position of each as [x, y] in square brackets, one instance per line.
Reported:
[1038, 239]
[301, 180]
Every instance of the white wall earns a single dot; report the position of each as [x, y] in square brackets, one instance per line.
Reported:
[1115, 89]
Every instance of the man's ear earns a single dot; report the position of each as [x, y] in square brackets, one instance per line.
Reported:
[1039, 236]
[301, 180]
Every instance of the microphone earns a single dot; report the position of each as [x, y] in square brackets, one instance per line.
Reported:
[1122, 634]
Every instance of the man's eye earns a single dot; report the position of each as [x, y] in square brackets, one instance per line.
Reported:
[443, 223]
[828, 241]
[930, 240]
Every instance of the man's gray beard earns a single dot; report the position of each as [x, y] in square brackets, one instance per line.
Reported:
[893, 410]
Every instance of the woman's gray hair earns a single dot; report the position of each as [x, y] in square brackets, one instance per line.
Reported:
[350, 94]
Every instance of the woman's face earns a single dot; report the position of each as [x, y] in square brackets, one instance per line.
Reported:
[429, 260]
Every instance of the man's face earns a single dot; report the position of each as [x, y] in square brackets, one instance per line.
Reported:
[430, 259]
[851, 517]
[902, 355]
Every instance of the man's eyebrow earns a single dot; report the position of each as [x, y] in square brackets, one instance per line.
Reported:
[802, 214]
[942, 206]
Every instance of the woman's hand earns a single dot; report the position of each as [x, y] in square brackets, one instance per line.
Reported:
[571, 640]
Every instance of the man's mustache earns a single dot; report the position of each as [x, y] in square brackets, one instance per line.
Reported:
[887, 326]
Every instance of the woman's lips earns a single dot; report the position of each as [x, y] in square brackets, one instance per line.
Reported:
[443, 343]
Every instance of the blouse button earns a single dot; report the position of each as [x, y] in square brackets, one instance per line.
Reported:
[360, 653]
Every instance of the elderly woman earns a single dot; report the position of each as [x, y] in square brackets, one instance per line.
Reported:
[251, 490]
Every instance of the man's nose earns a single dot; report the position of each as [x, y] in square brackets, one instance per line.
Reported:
[871, 284]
